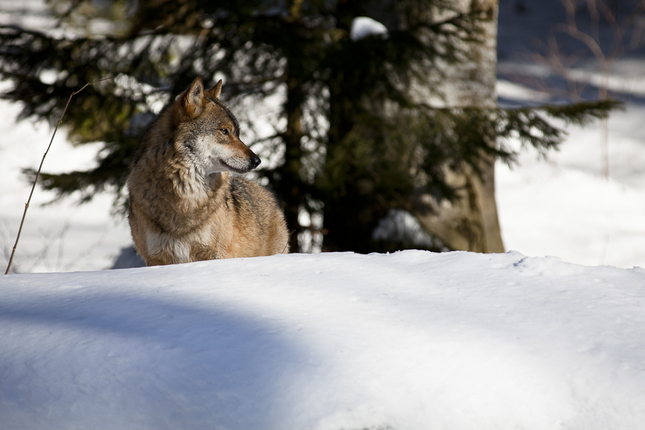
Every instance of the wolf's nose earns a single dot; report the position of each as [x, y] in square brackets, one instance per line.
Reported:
[255, 161]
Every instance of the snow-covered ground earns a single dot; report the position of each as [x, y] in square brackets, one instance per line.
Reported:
[564, 206]
[407, 341]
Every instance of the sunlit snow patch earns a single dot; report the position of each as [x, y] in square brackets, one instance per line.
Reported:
[363, 26]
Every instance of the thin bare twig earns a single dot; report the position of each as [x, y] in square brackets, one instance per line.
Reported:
[24, 214]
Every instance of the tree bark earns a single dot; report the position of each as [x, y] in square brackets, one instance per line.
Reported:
[470, 223]
[289, 181]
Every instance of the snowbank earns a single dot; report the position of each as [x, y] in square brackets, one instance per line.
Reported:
[411, 340]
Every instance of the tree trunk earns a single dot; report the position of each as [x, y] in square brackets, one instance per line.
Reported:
[289, 183]
[470, 223]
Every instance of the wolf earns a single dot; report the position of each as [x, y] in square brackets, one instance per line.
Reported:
[184, 203]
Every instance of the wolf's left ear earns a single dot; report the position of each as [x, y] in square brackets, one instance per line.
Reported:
[215, 91]
[192, 100]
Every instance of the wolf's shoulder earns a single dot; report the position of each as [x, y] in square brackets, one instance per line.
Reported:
[250, 194]
[247, 188]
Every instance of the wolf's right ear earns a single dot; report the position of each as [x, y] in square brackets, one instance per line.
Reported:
[192, 100]
[215, 91]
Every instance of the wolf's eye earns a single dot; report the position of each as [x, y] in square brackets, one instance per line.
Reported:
[224, 131]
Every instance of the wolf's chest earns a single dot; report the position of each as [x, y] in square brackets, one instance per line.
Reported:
[164, 248]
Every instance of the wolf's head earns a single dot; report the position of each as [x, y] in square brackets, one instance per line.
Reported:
[210, 133]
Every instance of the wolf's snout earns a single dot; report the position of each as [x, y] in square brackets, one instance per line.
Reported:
[255, 161]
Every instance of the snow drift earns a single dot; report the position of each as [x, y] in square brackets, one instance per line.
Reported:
[411, 340]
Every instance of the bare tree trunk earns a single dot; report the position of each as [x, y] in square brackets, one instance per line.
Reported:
[470, 223]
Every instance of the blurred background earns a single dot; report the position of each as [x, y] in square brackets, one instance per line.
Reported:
[382, 125]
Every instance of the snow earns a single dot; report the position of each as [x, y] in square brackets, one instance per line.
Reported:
[364, 26]
[411, 340]
[600, 221]
[564, 206]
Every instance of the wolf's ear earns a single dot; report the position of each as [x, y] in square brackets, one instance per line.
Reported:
[215, 91]
[192, 100]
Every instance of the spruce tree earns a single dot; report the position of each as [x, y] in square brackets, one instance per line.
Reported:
[350, 140]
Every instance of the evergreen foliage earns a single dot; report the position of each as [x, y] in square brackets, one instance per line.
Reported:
[350, 143]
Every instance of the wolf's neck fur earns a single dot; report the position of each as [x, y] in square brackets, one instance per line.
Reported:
[188, 181]
[181, 197]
